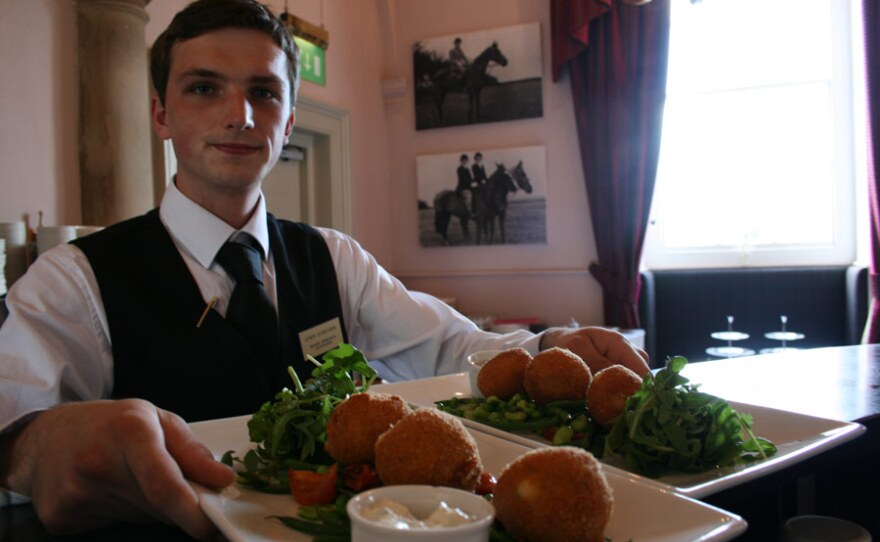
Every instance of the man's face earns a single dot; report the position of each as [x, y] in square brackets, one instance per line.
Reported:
[227, 110]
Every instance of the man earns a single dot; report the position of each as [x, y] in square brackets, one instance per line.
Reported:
[465, 180]
[457, 57]
[478, 170]
[479, 179]
[113, 343]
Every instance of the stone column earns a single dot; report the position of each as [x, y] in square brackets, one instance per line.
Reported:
[114, 112]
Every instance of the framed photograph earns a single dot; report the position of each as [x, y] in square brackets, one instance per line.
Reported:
[483, 197]
[476, 77]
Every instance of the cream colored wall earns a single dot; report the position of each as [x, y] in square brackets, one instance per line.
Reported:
[39, 168]
[370, 41]
[549, 281]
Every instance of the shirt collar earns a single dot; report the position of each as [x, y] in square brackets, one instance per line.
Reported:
[200, 232]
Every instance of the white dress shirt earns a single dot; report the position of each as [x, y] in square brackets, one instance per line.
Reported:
[55, 343]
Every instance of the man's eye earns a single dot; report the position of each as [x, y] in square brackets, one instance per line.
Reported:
[202, 90]
[265, 94]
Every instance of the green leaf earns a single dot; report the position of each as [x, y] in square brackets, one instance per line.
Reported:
[314, 528]
[669, 425]
[291, 428]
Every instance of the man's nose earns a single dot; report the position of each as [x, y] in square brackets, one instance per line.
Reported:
[239, 112]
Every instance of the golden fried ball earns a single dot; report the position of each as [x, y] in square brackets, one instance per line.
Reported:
[556, 494]
[503, 375]
[428, 447]
[607, 394]
[357, 422]
[557, 374]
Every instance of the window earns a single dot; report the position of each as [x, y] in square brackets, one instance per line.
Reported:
[757, 159]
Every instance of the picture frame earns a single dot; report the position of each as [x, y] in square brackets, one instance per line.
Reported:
[507, 207]
[478, 77]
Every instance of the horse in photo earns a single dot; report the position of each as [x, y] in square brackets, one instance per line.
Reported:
[490, 200]
[447, 203]
[475, 76]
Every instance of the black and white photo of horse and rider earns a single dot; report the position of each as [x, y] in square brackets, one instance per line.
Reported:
[483, 197]
[477, 77]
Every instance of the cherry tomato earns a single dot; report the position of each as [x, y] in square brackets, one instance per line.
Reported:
[486, 484]
[360, 477]
[310, 488]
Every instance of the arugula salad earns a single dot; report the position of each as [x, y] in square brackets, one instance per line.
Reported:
[667, 426]
[290, 430]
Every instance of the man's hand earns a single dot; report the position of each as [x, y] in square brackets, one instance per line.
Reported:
[89, 465]
[599, 347]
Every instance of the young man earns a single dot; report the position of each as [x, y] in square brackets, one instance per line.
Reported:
[457, 57]
[114, 343]
[463, 174]
[478, 170]
[480, 179]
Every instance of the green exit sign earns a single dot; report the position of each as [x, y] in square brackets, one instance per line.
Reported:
[311, 59]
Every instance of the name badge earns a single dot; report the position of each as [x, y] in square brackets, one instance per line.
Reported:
[320, 339]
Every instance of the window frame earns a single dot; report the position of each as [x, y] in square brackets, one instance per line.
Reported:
[846, 213]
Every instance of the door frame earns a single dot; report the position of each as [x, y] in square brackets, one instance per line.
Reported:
[325, 132]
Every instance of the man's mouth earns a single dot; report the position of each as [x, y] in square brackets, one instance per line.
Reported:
[239, 149]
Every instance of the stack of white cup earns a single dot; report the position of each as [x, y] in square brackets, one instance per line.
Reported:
[51, 236]
[14, 235]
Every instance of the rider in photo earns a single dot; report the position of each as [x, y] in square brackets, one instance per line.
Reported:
[486, 76]
[506, 205]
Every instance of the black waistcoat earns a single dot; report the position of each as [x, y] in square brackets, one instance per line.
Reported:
[153, 306]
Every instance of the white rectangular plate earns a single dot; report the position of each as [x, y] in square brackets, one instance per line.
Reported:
[642, 512]
[797, 436]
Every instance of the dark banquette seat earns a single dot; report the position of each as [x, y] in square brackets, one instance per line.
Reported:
[679, 309]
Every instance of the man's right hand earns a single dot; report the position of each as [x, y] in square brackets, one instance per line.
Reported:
[89, 465]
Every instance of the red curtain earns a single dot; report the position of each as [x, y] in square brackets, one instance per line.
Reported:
[871, 20]
[616, 56]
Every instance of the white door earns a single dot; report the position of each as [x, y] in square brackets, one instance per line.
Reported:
[285, 186]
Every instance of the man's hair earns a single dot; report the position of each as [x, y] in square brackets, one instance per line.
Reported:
[204, 16]
[462, 158]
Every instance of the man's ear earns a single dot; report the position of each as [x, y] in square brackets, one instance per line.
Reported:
[288, 128]
[158, 118]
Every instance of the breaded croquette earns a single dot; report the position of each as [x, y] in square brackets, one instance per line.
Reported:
[608, 392]
[356, 423]
[557, 374]
[554, 494]
[502, 376]
[428, 447]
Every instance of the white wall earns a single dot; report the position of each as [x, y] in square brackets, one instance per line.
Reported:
[549, 281]
[39, 168]
[370, 41]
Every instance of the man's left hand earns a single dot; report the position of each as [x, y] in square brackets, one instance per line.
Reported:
[598, 347]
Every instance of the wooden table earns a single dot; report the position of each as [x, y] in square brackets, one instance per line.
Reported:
[840, 383]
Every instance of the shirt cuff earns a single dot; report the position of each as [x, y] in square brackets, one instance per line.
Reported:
[21, 419]
[11, 498]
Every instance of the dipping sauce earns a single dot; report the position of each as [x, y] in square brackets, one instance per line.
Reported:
[390, 513]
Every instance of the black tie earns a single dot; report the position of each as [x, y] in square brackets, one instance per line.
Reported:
[250, 311]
